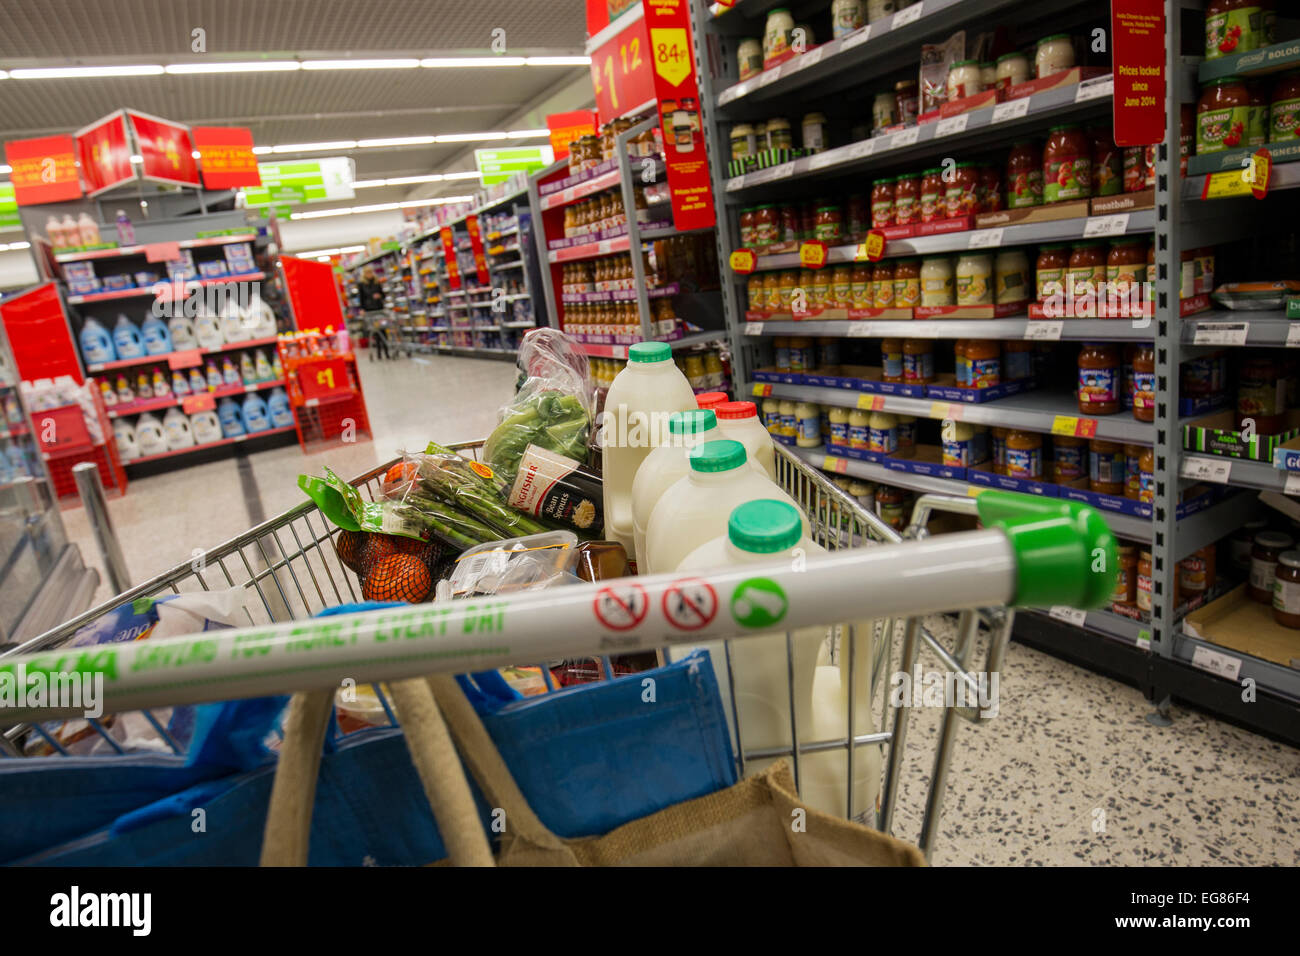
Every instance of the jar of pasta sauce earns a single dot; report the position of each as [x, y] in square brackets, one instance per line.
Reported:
[1107, 163]
[1099, 379]
[990, 189]
[933, 195]
[907, 200]
[1067, 165]
[882, 203]
[1024, 175]
[961, 198]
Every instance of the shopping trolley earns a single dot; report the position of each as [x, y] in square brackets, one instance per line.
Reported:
[383, 322]
[1031, 551]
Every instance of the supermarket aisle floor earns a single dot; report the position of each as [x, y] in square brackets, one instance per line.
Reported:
[1068, 773]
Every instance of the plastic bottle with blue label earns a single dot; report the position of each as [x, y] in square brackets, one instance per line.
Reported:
[215, 380]
[149, 435]
[232, 422]
[176, 428]
[157, 339]
[96, 344]
[229, 373]
[279, 409]
[197, 385]
[126, 339]
[262, 367]
[180, 387]
[206, 427]
[255, 415]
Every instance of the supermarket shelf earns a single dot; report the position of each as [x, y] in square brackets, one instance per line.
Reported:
[1070, 330]
[604, 247]
[1267, 674]
[519, 325]
[1269, 59]
[171, 288]
[1035, 411]
[856, 52]
[1225, 327]
[1126, 526]
[1285, 176]
[1055, 105]
[507, 265]
[138, 250]
[164, 357]
[1055, 230]
[619, 295]
[213, 444]
[153, 404]
[1237, 472]
[620, 351]
[564, 197]
[1104, 622]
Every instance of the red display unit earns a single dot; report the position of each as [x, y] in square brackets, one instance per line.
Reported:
[324, 389]
[39, 334]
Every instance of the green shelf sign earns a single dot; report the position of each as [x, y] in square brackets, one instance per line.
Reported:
[9, 218]
[299, 182]
[498, 165]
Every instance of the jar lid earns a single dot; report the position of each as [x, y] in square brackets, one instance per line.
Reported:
[1063, 127]
[984, 63]
[765, 526]
[932, 169]
[715, 456]
[692, 422]
[1221, 80]
[1290, 558]
[964, 63]
[1054, 36]
[1274, 540]
[648, 352]
[1013, 53]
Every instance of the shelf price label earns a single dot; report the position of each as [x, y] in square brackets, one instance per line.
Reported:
[193, 404]
[861, 35]
[1251, 180]
[1043, 330]
[951, 125]
[1012, 109]
[1221, 333]
[813, 254]
[1292, 484]
[1100, 226]
[985, 239]
[948, 411]
[1207, 469]
[187, 359]
[761, 390]
[1074, 427]
[872, 249]
[838, 465]
[753, 328]
[907, 15]
[1070, 615]
[1216, 662]
[672, 54]
[743, 261]
[871, 403]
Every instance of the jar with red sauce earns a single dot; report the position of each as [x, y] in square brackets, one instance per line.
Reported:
[933, 202]
[1107, 163]
[1067, 165]
[859, 219]
[990, 190]
[1024, 175]
[961, 198]
[907, 199]
[882, 203]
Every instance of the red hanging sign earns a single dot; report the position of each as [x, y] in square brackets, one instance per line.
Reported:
[166, 150]
[324, 379]
[1138, 52]
[621, 71]
[668, 23]
[105, 153]
[38, 334]
[43, 170]
[568, 127]
[476, 244]
[226, 155]
[449, 256]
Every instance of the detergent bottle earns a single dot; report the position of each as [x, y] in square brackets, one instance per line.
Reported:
[215, 380]
[695, 509]
[207, 331]
[232, 422]
[149, 436]
[277, 370]
[124, 435]
[126, 339]
[160, 387]
[125, 395]
[278, 408]
[157, 339]
[229, 374]
[96, 344]
[143, 390]
[254, 411]
[180, 387]
[262, 368]
[176, 428]
[197, 384]
[247, 371]
[181, 328]
[206, 427]
[642, 395]
[234, 323]
[107, 394]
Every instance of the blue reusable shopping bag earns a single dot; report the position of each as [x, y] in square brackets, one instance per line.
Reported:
[588, 759]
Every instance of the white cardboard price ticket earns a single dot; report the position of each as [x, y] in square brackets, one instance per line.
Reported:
[811, 58]
[1293, 335]
[859, 330]
[905, 137]
[1042, 330]
[1215, 662]
[1099, 226]
[735, 184]
[951, 125]
[907, 15]
[1292, 486]
[753, 328]
[769, 77]
[862, 149]
[853, 39]
[1071, 615]
[1207, 469]
[828, 158]
[1012, 109]
[784, 171]
[1221, 333]
[1095, 88]
[985, 239]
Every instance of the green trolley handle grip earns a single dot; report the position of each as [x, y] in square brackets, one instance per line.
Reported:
[1065, 552]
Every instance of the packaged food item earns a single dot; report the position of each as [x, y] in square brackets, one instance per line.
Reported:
[1257, 127]
[990, 189]
[860, 285]
[1024, 175]
[560, 489]
[1133, 471]
[934, 203]
[1024, 455]
[882, 433]
[1255, 296]
[964, 79]
[959, 445]
[891, 360]
[1107, 163]
[906, 102]
[777, 35]
[765, 226]
[1011, 68]
[779, 134]
[906, 432]
[984, 360]
[1222, 114]
[882, 203]
[1146, 475]
[839, 421]
[1284, 107]
[935, 61]
[1049, 273]
[961, 364]
[846, 16]
[859, 426]
[814, 132]
[974, 275]
[1086, 275]
[1261, 395]
[907, 200]
[1144, 586]
[808, 420]
[907, 283]
[821, 290]
[1067, 165]
[1017, 359]
[882, 285]
[749, 56]
[1054, 54]
[1099, 379]
[1267, 548]
[893, 506]
[789, 430]
[998, 448]
[961, 197]
[1125, 593]
[1196, 572]
[743, 141]
[937, 287]
[883, 112]
[1011, 277]
[1126, 270]
[1106, 467]
[1233, 26]
[918, 361]
[1144, 383]
[1286, 589]
[1070, 458]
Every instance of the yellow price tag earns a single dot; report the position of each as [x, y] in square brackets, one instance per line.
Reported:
[1064, 425]
[672, 54]
[945, 410]
[743, 261]
[837, 465]
[761, 390]
[974, 491]
[812, 253]
[1232, 182]
[873, 403]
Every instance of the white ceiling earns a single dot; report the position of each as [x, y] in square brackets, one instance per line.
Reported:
[301, 106]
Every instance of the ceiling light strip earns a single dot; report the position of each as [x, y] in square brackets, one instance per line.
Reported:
[286, 66]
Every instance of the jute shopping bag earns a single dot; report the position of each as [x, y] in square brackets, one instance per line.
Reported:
[757, 822]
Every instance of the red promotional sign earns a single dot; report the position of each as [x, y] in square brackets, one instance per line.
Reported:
[324, 379]
[622, 73]
[1138, 47]
[38, 334]
[449, 256]
[226, 155]
[668, 23]
[43, 170]
[567, 127]
[166, 150]
[105, 154]
[476, 244]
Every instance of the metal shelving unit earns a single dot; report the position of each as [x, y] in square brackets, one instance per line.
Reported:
[1158, 655]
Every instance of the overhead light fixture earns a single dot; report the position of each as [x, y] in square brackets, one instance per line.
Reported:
[326, 253]
[195, 154]
[261, 150]
[255, 66]
[341, 144]
[527, 133]
[466, 175]
[14, 246]
[398, 181]
[84, 72]
[557, 61]
[451, 62]
[396, 141]
[393, 64]
[472, 137]
[6, 169]
[379, 207]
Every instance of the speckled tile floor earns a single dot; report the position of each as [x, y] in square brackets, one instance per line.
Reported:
[1068, 772]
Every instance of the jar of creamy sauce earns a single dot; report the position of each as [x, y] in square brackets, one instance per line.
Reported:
[974, 278]
[1054, 54]
[937, 287]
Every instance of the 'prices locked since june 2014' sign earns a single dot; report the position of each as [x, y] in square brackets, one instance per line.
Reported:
[678, 97]
[1138, 53]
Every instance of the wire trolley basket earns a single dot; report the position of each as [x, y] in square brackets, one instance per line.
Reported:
[870, 596]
